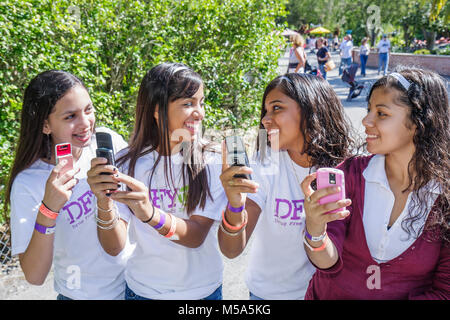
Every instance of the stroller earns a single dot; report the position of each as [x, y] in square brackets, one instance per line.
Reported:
[348, 76]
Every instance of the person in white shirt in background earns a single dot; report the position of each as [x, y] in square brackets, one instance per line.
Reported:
[297, 58]
[174, 197]
[364, 51]
[306, 130]
[346, 48]
[53, 214]
[384, 48]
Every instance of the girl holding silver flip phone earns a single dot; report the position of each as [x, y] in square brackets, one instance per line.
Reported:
[304, 121]
[52, 208]
[395, 244]
[172, 204]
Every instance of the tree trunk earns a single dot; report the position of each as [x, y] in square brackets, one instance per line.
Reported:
[430, 36]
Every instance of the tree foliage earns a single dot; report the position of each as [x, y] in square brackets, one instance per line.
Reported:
[111, 44]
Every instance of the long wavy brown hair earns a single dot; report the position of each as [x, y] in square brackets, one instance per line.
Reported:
[427, 100]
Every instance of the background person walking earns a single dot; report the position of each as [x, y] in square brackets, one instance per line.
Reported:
[346, 52]
[384, 47]
[364, 51]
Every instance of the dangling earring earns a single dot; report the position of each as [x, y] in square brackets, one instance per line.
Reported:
[49, 148]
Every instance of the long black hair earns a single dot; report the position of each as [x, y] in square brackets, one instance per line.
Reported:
[166, 83]
[427, 100]
[323, 123]
[40, 98]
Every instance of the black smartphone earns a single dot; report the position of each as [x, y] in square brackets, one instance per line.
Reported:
[236, 154]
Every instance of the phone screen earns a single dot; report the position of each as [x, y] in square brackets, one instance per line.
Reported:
[64, 151]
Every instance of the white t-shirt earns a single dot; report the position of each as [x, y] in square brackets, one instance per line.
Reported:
[346, 48]
[82, 269]
[159, 268]
[364, 50]
[384, 45]
[279, 267]
[384, 244]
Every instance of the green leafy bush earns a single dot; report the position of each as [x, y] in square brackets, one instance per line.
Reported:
[111, 44]
[422, 51]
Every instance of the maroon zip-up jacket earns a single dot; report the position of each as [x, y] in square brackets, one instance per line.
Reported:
[420, 272]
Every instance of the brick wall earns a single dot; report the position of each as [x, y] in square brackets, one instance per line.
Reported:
[439, 64]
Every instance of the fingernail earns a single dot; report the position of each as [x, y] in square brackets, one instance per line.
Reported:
[115, 169]
[337, 189]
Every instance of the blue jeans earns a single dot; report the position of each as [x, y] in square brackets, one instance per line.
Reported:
[363, 59]
[322, 71]
[344, 63]
[130, 295]
[383, 60]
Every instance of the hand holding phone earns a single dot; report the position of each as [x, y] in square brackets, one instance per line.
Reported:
[330, 177]
[63, 151]
[236, 154]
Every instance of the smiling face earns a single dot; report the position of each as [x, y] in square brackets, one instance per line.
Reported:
[72, 120]
[387, 124]
[282, 120]
[185, 116]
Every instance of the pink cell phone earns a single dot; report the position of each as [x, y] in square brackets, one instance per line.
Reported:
[63, 151]
[330, 177]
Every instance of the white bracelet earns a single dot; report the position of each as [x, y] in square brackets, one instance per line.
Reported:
[112, 222]
[115, 221]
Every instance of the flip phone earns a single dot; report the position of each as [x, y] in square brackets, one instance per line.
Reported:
[63, 151]
[105, 147]
[236, 154]
[330, 177]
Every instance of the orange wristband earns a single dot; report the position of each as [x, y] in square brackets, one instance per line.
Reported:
[229, 226]
[173, 226]
[322, 247]
[47, 212]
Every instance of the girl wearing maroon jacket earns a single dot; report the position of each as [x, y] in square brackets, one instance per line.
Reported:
[393, 239]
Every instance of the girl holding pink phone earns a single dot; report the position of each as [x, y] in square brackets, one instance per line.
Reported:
[393, 242]
[307, 130]
[52, 212]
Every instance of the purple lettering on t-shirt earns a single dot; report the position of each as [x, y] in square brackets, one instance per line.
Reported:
[298, 208]
[85, 199]
[154, 196]
[172, 197]
[277, 213]
[70, 213]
